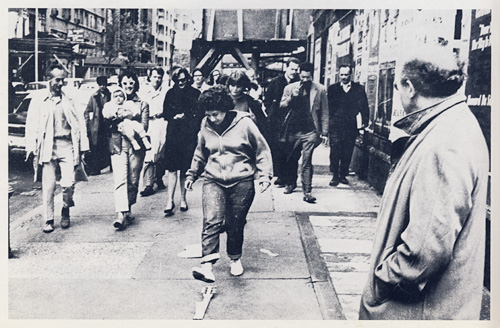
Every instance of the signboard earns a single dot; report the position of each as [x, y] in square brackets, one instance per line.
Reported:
[478, 86]
[76, 35]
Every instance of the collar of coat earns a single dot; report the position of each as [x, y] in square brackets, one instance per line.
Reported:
[49, 95]
[415, 122]
[135, 98]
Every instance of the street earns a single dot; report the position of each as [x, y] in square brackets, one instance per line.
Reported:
[302, 261]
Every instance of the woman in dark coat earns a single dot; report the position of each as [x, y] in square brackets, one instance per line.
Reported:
[181, 111]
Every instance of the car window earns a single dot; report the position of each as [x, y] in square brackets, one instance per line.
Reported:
[36, 86]
[23, 106]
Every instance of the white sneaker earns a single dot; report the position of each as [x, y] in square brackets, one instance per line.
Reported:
[236, 268]
[204, 273]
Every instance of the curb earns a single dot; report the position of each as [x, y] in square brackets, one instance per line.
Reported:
[328, 300]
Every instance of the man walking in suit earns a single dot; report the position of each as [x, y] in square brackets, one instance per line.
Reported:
[345, 100]
[305, 127]
[276, 115]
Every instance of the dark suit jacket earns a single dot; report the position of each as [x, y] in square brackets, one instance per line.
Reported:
[344, 107]
[272, 99]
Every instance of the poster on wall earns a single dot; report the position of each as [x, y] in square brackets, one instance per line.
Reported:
[478, 86]
[330, 75]
[373, 50]
[317, 60]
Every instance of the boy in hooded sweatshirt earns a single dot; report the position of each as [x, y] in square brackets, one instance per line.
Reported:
[231, 153]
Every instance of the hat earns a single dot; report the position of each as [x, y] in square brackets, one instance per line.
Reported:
[115, 88]
[102, 80]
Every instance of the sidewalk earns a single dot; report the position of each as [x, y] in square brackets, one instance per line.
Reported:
[91, 271]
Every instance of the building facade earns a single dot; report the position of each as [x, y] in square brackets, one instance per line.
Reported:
[369, 41]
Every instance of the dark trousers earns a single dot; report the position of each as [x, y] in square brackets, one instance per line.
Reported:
[98, 157]
[277, 152]
[225, 207]
[300, 144]
[341, 148]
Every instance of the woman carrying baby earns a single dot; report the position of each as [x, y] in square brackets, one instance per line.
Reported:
[126, 159]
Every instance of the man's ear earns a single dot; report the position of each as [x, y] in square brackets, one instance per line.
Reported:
[410, 88]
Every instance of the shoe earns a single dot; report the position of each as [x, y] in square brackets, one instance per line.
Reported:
[236, 268]
[65, 217]
[120, 221]
[308, 198]
[344, 181]
[160, 184]
[279, 183]
[204, 273]
[334, 182]
[169, 211]
[289, 189]
[148, 191]
[184, 208]
[129, 217]
[49, 226]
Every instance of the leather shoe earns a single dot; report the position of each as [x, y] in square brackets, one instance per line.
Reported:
[120, 222]
[334, 182]
[65, 217]
[169, 211]
[279, 183]
[344, 181]
[289, 189]
[148, 191]
[160, 184]
[308, 198]
[184, 208]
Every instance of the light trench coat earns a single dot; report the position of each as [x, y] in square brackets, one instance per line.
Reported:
[157, 130]
[428, 254]
[38, 138]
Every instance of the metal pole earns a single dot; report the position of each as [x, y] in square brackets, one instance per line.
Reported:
[36, 44]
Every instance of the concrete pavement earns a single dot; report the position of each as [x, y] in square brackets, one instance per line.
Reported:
[92, 271]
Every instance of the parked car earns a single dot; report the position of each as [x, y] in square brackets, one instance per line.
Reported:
[73, 82]
[89, 84]
[36, 85]
[17, 124]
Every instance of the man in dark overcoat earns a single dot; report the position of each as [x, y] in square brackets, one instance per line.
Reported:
[98, 158]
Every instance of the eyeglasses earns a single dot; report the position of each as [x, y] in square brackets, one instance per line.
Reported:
[128, 83]
[182, 80]
[198, 75]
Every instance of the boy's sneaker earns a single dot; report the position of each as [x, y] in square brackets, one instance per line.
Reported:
[204, 273]
[236, 268]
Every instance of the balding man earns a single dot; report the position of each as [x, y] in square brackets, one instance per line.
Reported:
[428, 255]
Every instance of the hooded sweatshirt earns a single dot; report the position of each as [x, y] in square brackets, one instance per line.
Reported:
[239, 152]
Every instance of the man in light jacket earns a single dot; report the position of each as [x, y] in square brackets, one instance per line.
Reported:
[428, 254]
[56, 136]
